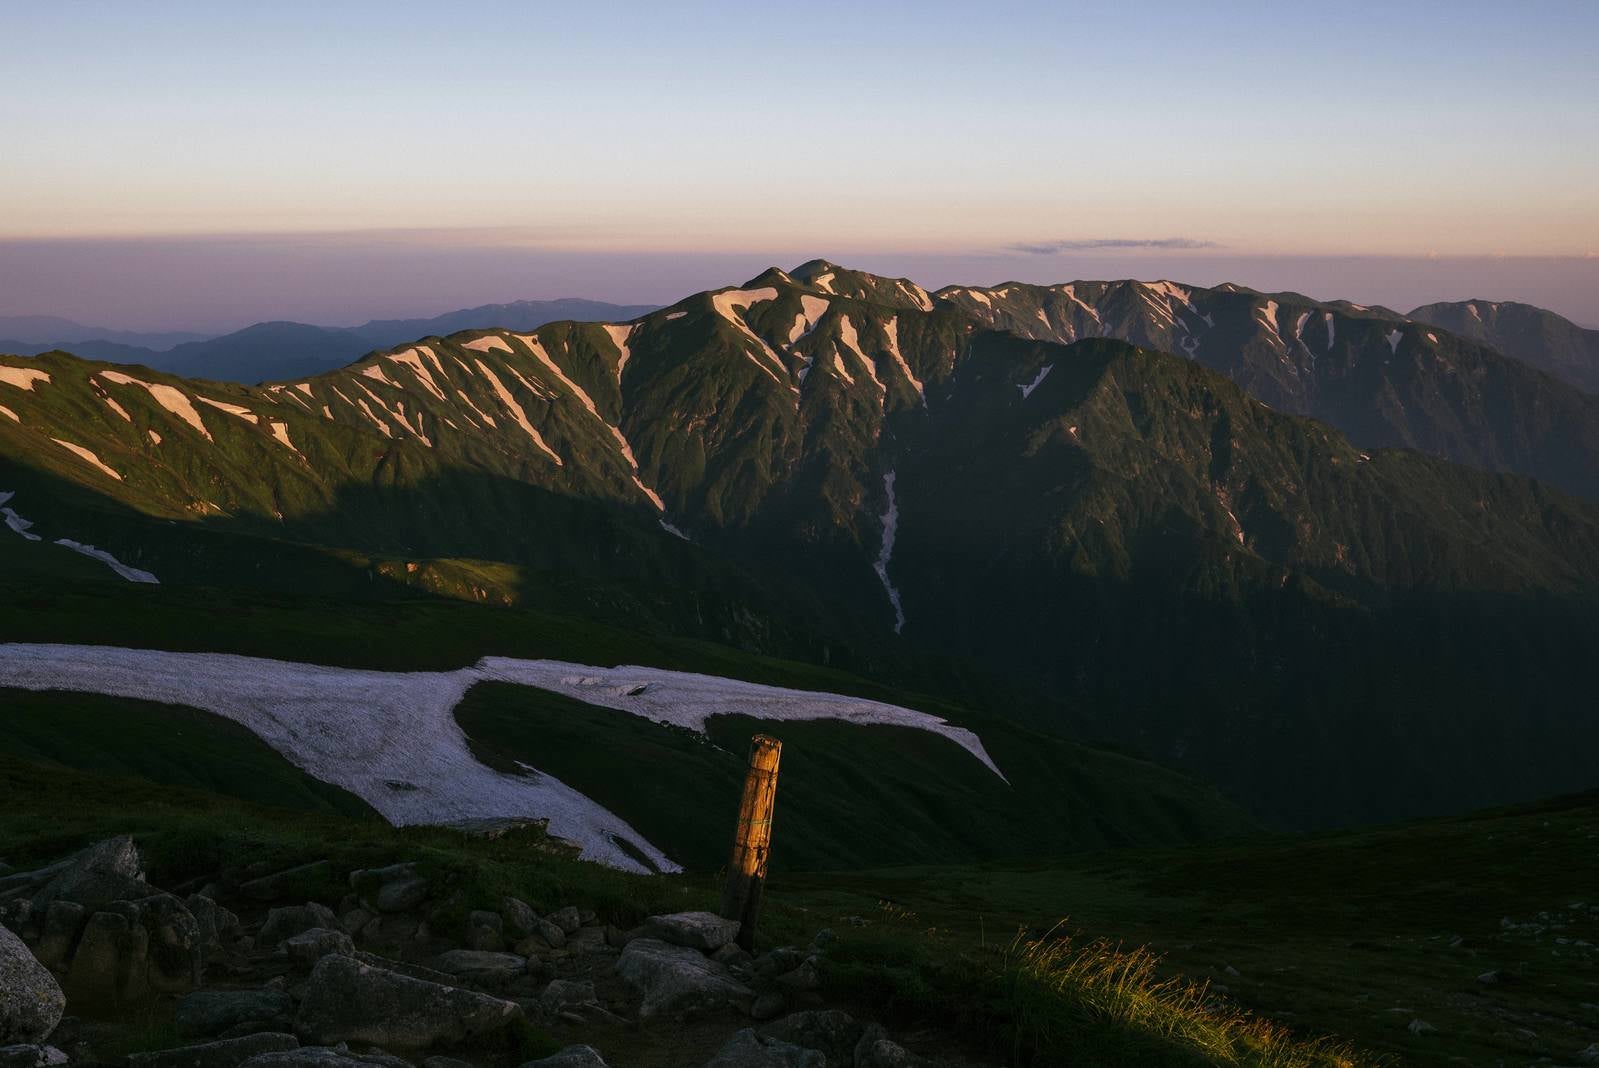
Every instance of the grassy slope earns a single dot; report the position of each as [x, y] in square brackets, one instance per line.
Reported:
[164, 744]
[1351, 934]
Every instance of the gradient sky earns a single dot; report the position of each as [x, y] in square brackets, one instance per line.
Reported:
[1270, 136]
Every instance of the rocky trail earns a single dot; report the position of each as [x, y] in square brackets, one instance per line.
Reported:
[259, 967]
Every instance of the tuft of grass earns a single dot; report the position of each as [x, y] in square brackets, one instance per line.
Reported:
[1060, 994]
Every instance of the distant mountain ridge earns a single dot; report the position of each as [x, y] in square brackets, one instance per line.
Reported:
[283, 349]
[1534, 335]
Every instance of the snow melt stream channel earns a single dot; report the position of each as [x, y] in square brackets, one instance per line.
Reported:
[391, 737]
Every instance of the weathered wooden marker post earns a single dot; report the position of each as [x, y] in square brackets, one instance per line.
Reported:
[752, 839]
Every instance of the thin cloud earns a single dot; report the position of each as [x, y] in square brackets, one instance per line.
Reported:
[1050, 248]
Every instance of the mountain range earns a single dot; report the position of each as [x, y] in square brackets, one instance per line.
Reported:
[1535, 336]
[1342, 563]
[279, 350]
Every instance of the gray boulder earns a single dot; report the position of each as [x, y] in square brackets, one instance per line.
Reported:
[226, 1053]
[876, 1050]
[746, 1049]
[211, 1012]
[324, 1057]
[290, 920]
[519, 919]
[675, 979]
[173, 944]
[568, 919]
[58, 933]
[698, 930]
[546, 935]
[107, 871]
[28, 1055]
[348, 1001]
[563, 993]
[570, 1057]
[481, 966]
[31, 1001]
[485, 931]
[401, 895]
[112, 959]
[833, 1032]
[308, 947]
[216, 922]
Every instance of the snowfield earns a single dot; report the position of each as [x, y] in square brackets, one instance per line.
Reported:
[391, 738]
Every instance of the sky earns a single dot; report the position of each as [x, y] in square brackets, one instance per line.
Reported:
[169, 165]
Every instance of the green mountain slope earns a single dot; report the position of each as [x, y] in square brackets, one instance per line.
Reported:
[1535, 336]
[1091, 537]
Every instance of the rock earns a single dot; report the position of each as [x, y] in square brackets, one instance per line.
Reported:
[301, 881]
[518, 918]
[481, 966]
[616, 937]
[58, 933]
[215, 922]
[324, 1057]
[780, 960]
[1590, 1055]
[174, 944]
[675, 979]
[568, 919]
[876, 1050]
[290, 920]
[768, 1005]
[348, 1001]
[402, 895]
[107, 871]
[570, 1057]
[824, 938]
[803, 978]
[833, 1032]
[354, 920]
[226, 1053]
[485, 931]
[368, 879]
[562, 993]
[445, 1062]
[1421, 1027]
[586, 940]
[734, 956]
[308, 947]
[27, 1055]
[546, 935]
[746, 1049]
[112, 960]
[211, 1012]
[698, 930]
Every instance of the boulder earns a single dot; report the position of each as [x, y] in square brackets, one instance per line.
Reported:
[28, 1055]
[211, 1012]
[833, 1032]
[674, 979]
[564, 993]
[485, 931]
[324, 1057]
[568, 919]
[518, 918]
[107, 871]
[481, 966]
[1590, 1055]
[226, 1053]
[746, 1049]
[768, 1005]
[215, 922]
[734, 956]
[112, 961]
[173, 945]
[290, 920]
[302, 881]
[570, 1057]
[546, 935]
[348, 1001]
[401, 895]
[58, 933]
[698, 930]
[876, 1050]
[801, 979]
[308, 947]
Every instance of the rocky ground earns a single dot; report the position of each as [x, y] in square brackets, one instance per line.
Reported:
[247, 968]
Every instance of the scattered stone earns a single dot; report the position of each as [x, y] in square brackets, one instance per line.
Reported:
[801, 979]
[485, 931]
[734, 956]
[58, 933]
[834, 1033]
[211, 1012]
[290, 920]
[481, 966]
[308, 947]
[111, 870]
[302, 880]
[698, 930]
[348, 1001]
[678, 979]
[324, 1057]
[215, 922]
[877, 1050]
[174, 944]
[112, 960]
[768, 1005]
[227, 1053]
[517, 916]
[567, 919]
[746, 1049]
[31, 1056]
[562, 993]
[546, 935]
[1421, 1027]
[1589, 1055]
[570, 1057]
[402, 895]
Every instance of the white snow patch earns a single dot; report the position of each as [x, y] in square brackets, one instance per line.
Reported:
[620, 334]
[115, 407]
[917, 294]
[1070, 293]
[886, 553]
[1432, 337]
[280, 431]
[375, 372]
[1299, 327]
[980, 297]
[13, 520]
[173, 400]
[850, 340]
[674, 315]
[1332, 328]
[232, 409]
[9, 414]
[380, 424]
[727, 305]
[891, 332]
[1043, 372]
[305, 387]
[812, 308]
[516, 412]
[413, 359]
[1393, 340]
[824, 282]
[488, 344]
[84, 454]
[155, 439]
[1474, 313]
[132, 574]
[674, 531]
[22, 377]
[1268, 317]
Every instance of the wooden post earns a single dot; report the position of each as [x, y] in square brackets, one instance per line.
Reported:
[752, 839]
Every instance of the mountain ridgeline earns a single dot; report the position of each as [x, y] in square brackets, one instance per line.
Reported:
[1017, 498]
[1532, 335]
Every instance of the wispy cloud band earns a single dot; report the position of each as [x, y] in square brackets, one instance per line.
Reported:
[1049, 248]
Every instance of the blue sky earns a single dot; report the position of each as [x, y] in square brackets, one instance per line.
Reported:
[1278, 131]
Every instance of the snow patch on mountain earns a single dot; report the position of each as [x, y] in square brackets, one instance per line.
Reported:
[621, 335]
[22, 377]
[812, 308]
[1393, 337]
[412, 359]
[491, 343]
[1043, 372]
[173, 400]
[87, 456]
[232, 409]
[375, 373]
[9, 414]
[850, 340]
[516, 411]
[891, 332]
[886, 553]
[728, 303]
[132, 574]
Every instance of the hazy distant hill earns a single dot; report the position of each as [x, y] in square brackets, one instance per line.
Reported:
[51, 330]
[1532, 335]
[517, 315]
